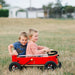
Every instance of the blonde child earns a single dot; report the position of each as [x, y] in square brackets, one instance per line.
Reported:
[32, 47]
[20, 46]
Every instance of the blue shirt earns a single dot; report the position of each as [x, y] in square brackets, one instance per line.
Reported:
[21, 49]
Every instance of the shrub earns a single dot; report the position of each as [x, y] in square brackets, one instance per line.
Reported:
[4, 12]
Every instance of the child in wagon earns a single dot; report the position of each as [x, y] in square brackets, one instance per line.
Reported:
[32, 47]
[20, 46]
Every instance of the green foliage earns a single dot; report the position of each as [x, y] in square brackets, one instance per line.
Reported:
[56, 10]
[4, 13]
[69, 9]
[4, 61]
[3, 3]
[67, 73]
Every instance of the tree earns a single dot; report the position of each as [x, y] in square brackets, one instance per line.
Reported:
[48, 9]
[58, 9]
[2, 2]
[44, 7]
[58, 3]
[45, 10]
[55, 10]
[69, 9]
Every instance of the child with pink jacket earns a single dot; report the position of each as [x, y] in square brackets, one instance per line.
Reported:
[32, 47]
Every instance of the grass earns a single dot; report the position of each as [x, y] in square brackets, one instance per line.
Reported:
[56, 34]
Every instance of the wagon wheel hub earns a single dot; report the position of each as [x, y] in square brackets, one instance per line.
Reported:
[14, 68]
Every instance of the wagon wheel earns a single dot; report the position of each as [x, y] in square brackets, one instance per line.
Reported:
[50, 65]
[60, 65]
[14, 66]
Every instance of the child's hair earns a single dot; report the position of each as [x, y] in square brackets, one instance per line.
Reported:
[31, 32]
[24, 34]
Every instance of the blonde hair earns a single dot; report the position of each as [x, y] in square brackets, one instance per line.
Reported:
[24, 34]
[31, 32]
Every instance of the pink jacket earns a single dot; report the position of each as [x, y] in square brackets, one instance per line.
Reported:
[33, 49]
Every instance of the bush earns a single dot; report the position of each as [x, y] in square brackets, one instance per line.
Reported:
[4, 12]
[69, 16]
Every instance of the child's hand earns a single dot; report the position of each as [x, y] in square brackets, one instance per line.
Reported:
[15, 52]
[51, 49]
[11, 54]
[47, 50]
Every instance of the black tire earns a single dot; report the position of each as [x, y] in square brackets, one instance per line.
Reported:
[14, 66]
[53, 53]
[60, 65]
[50, 65]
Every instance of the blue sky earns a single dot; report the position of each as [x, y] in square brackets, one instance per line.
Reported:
[36, 3]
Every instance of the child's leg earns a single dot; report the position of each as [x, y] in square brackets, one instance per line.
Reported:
[15, 52]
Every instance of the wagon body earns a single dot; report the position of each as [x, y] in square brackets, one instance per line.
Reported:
[34, 60]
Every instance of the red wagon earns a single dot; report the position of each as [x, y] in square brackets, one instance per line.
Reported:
[49, 62]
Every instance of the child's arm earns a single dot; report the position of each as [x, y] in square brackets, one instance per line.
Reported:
[36, 51]
[10, 50]
[45, 48]
[42, 47]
